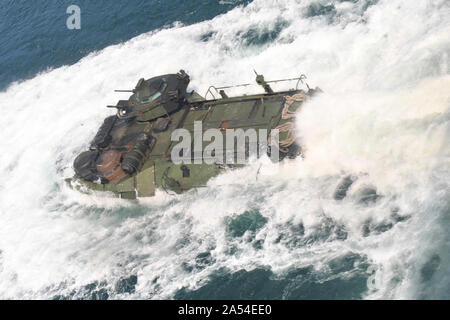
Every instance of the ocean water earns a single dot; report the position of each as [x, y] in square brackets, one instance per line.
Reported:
[364, 215]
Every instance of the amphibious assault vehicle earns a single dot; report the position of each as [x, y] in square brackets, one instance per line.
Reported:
[133, 152]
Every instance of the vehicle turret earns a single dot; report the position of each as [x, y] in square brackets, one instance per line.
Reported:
[154, 98]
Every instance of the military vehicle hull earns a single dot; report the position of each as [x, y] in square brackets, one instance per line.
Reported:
[132, 154]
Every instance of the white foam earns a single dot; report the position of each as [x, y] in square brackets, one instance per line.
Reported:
[384, 117]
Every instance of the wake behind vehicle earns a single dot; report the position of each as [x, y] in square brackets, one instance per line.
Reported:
[133, 152]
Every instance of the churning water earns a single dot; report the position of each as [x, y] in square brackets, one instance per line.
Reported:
[365, 214]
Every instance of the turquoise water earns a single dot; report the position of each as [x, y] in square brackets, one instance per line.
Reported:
[365, 214]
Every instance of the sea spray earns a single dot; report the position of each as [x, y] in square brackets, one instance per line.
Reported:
[384, 119]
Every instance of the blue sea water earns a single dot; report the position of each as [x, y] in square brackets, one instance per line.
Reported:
[34, 35]
[383, 123]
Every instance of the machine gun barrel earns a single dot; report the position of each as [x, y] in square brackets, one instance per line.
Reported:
[132, 91]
